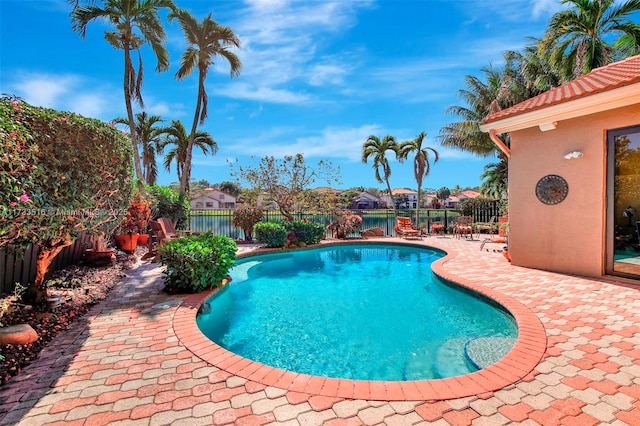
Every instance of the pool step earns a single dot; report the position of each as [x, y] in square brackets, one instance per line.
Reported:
[451, 360]
[484, 351]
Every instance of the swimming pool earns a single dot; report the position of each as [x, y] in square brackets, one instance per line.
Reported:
[360, 311]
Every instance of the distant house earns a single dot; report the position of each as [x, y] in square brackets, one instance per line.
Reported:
[452, 201]
[404, 198]
[366, 201]
[212, 198]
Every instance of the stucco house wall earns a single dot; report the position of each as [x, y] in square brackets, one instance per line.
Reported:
[567, 237]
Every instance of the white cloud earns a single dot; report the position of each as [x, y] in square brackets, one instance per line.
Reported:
[67, 92]
[44, 90]
[261, 93]
[545, 8]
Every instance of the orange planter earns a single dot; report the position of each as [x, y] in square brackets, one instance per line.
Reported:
[127, 242]
[501, 231]
[143, 239]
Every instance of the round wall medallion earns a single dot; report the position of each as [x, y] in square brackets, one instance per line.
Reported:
[552, 189]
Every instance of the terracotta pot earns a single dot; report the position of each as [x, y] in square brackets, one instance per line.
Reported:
[127, 242]
[143, 239]
[506, 254]
[98, 258]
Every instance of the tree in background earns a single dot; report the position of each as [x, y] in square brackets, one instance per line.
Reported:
[442, 194]
[283, 182]
[136, 23]
[149, 138]
[576, 39]
[206, 40]
[230, 188]
[495, 180]
[377, 148]
[421, 165]
[176, 135]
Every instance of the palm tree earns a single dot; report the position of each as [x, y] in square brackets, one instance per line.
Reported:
[421, 166]
[529, 72]
[148, 137]
[206, 40]
[376, 148]
[136, 22]
[176, 134]
[495, 179]
[482, 98]
[576, 39]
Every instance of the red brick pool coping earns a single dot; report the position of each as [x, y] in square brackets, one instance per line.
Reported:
[516, 365]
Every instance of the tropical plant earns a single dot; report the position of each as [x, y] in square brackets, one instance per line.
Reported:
[176, 135]
[306, 231]
[443, 193]
[168, 203]
[149, 138]
[137, 216]
[377, 148]
[206, 40]
[345, 223]
[270, 233]
[481, 98]
[495, 179]
[197, 263]
[136, 23]
[577, 39]
[62, 174]
[421, 165]
[245, 218]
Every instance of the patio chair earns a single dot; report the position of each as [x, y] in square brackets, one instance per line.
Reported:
[404, 228]
[463, 226]
[493, 240]
[437, 228]
[487, 226]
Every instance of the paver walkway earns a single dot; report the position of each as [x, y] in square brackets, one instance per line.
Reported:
[123, 364]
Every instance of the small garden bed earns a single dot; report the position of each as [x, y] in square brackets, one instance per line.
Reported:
[79, 287]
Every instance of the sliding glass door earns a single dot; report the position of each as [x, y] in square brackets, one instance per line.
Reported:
[623, 202]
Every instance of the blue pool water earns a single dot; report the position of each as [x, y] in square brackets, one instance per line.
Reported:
[365, 311]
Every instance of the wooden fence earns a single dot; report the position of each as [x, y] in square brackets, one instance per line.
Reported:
[22, 269]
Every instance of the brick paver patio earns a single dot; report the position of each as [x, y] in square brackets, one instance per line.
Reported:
[134, 360]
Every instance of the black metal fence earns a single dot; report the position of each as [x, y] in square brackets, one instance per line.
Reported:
[220, 222]
[15, 268]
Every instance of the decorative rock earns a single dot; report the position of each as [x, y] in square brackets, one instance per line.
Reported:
[372, 232]
[21, 334]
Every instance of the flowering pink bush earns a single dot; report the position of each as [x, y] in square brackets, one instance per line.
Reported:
[346, 223]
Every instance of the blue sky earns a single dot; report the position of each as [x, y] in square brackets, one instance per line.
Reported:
[318, 77]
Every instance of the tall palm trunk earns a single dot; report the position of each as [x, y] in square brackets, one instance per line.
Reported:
[393, 202]
[128, 75]
[186, 172]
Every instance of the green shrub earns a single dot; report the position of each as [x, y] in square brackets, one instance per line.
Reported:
[197, 263]
[308, 232]
[270, 233]
[168, 203]
[60, 174]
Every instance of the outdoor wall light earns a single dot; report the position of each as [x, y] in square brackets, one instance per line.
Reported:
[573, 154]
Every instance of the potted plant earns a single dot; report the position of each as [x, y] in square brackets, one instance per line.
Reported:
[134, 223]
[100, 254]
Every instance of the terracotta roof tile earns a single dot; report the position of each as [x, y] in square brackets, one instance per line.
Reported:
[602, 79]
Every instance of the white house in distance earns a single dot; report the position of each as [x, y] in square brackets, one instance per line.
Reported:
[409, 197]
[212, 198]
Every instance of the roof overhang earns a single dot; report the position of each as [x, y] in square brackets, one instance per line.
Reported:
[548, 118]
